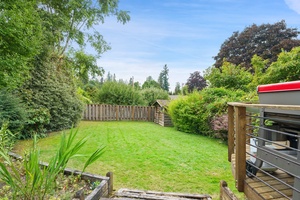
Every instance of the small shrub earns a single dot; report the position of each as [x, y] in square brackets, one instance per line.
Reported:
[12, 111]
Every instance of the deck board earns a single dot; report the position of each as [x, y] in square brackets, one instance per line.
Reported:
[255, 189]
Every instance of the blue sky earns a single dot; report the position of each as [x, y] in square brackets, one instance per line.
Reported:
[184, 34]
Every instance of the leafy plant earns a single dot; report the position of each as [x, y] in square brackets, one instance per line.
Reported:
[39, 182]
[150, 95]
[7, 138]
[12, 111]
[196, 112]
[118, 93]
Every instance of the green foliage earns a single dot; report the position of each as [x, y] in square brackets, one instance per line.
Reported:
[150, 95]
[163, 79]
[286, 68]
[36, 122]
[184, 113]
[196, 82]
[85, 65]
[195, 112]
[39, 182]
[177, 89]
[52, 87]
[118, 93]
[265, 40]
[7, 138]
[66, 22]
[12, 111]
[20, 40]
[228, 76]
[259, 66]
[149, 83]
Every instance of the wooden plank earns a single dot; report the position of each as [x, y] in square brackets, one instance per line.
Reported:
[230, 132]
[271, 106]
[117, 113]
[225, 192]
[240, 160]
[251, 193]
[142, 194]
[274, 194]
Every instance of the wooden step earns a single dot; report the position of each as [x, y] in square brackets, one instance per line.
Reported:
[142, 194]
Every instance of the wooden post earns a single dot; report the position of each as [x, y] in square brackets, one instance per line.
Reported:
[225, 192]
[117, 112]
[240, 154]
[110, 182]
[230, 132]
[132, 113]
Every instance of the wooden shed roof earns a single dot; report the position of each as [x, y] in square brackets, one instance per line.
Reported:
[162, 103]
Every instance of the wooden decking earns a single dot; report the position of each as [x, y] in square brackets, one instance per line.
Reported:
[260, 187]
[256, 189]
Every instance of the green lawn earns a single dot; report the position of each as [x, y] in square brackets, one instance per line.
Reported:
[144, 155]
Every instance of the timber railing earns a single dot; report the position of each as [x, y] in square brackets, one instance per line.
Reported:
[272, 163]
[104, 112]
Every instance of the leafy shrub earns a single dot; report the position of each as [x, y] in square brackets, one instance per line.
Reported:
[150, 95]
[185, 112]
[37, 119]
[118, 93]
[197, 112]
[12, 111]
[51, 87]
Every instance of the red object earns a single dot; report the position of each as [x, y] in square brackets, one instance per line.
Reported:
[279, 87]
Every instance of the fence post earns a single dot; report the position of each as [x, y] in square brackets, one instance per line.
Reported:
[240, 159]
[230, 132]
[110, 182]
[117, 112]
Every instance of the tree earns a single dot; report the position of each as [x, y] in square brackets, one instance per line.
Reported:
[163, 79]
[286, 68]
[84, 66]
[229, 76]
[53, 91]
[265, 40]
[70, 24]
[196, 82]
[20, 40]
[177, 89]
[67, 22]
[150, 82]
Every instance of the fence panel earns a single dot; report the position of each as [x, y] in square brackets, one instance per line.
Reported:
[104, 112]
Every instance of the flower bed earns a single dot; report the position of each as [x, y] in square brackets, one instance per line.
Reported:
[76, 184]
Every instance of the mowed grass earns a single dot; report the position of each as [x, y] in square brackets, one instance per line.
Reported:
[144, 155]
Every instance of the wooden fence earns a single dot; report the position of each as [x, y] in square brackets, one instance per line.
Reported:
[103, 112]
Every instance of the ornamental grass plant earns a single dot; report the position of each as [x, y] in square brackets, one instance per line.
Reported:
[29, 179]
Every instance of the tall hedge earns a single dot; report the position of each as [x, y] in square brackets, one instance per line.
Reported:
[52, 89]
[119, 93]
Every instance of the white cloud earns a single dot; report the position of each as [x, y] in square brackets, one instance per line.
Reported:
[294, 5]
